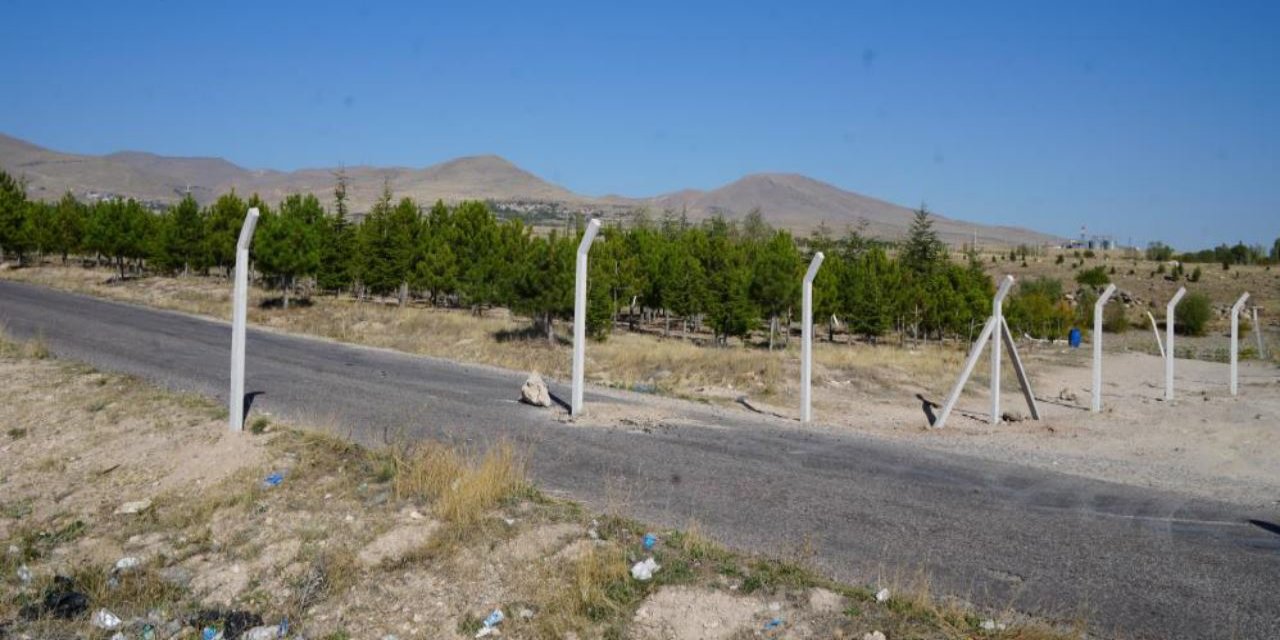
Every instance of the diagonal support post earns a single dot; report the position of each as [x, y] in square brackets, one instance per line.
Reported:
[1024, 381]
[994, 323]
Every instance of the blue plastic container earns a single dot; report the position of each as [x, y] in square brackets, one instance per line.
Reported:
[1073, 338]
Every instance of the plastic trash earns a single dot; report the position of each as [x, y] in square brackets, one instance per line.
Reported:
[644, 569]
[491, 623]
[264, 632]
[210, 633]
[148, 632]
[24, 574]
[284, 628]
[773, 624]
[649, 541]
[882, 595]
[273, 480]
[104, 619]
[127, 563]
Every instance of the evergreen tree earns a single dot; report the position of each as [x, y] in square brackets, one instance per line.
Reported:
[922, 251]
[68, 224]
[436, 266]
[337, 243]
[182, 237]
[287, 244]
[775, 279]
[222, 230]
[13, 213]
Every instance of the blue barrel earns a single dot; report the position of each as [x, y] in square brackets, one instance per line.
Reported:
[1073, 338]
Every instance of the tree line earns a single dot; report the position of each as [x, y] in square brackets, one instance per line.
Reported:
[729, 277]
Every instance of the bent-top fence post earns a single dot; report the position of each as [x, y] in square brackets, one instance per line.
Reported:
[806, 338]
[1097, 346]
[580, 315]
[239, 308]
[997, 312]
[1235, 342]
[994, 323]
[1168, 342]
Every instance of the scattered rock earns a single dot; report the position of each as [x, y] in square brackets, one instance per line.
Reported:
[1067, 395]
[534, 391]
[398, 542]
[127, 563]
[264, 632]
[133, 508]
[874, 635]
[1012, 416]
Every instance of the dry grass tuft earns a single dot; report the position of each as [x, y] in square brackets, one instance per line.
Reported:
[461, 487]
[594, 588]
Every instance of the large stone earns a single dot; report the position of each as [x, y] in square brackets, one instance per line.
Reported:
[534, 391]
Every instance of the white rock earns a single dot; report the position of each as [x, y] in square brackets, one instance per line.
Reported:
[644, 569]
[137, 506]
[534, 391]
[989, 625]
[874, 635]
[104, 619]
[127, 563]
[265, 632]
[526, 614]
[882, 595]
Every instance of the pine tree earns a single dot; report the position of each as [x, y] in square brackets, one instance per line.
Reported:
[287, 244]
[13, 212]
[775, 280]
[182, 240]
[922, 251]
[222, 230]
[68, 222]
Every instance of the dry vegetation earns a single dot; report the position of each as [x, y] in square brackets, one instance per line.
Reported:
[417, 540]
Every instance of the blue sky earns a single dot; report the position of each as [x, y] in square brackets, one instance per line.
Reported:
[1125, 117]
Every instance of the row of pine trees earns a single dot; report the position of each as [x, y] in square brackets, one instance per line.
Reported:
[730, 277]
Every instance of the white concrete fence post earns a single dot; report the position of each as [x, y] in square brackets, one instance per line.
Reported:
[580, 315]
[806, 339]
[239, 308]
[994, 327]
[1235, 342]
[997, 312]
[1169, 323]
[1097, 346]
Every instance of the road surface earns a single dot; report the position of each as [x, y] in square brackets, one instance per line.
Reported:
[1133, 562]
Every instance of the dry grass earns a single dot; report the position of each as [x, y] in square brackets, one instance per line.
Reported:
[461, 487]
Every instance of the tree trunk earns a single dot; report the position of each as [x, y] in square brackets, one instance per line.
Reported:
[773, 327]
[548, 322]
[402, 295]
[288, 285]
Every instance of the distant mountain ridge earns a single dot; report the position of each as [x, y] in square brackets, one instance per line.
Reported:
[788, 201]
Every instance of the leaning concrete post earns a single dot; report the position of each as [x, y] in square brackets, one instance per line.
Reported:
[1097, 346]
[997, 312]
[580, 315]
[1168, 342]
[240, 305]
[1235, 342]
[806, 339]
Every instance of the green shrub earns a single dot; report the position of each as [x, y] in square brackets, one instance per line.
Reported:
[1195, 275]
[1193, 314]
[1061, 259]
[1115, 319]
[1095, 277]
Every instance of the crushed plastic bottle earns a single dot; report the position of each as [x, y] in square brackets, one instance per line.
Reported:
[104, 619]
[649, 541]
[273, 480]
[491, 623]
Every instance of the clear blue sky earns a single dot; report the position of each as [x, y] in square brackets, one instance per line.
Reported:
[1121, 116]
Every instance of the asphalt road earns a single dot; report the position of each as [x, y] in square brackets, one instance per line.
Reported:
[1133, 562]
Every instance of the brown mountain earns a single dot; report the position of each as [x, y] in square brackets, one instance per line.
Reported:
[790, 201]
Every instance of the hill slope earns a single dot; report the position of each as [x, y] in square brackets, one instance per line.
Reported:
[790, 201]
